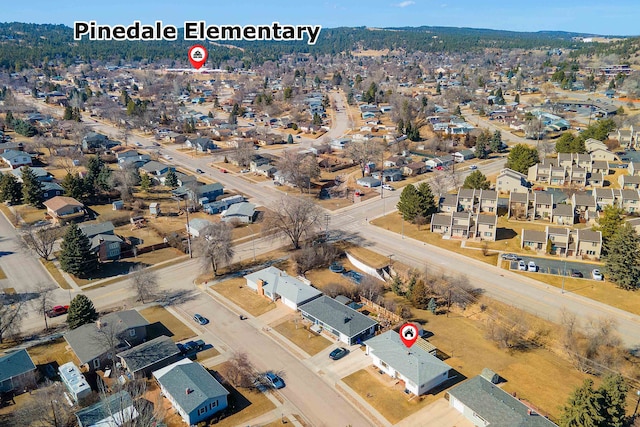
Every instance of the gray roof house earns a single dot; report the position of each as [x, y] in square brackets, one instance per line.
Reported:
[210, 192]
[103, 240]
[150, 356]
[41, 174]
[17, 371]
[92, 342]
[483, 403]
[420, 370]
[197, 225]
[277, 284]
[115, 410]
[345, 323]
[194, 393]
[51, 189]
[156, 168]
[243, 212]
[368, 181]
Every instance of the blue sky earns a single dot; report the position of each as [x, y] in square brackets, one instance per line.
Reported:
[619, 17]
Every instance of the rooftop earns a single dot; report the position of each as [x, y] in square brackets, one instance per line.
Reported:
[145, 354]
[14, 364]
[279, 282]
[338, 316]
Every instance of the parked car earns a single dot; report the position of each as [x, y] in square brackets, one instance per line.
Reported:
[338, 353]
[199, 170]
[576, 273]
[473, 167]
[388, 187]
[244, 171]
[532, 266]
[596, 274]
[510, 257]
[58, 310]
[200, 319]
[522, 266]
[192, 346]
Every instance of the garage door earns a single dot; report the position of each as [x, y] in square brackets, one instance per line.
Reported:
[458, 405]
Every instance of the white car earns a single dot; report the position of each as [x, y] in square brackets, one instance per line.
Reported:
[596, 274]
[473, 167]
[388, 187]
[522, 266]
[532, 266]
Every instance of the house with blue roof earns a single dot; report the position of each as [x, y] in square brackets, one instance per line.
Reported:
[417, 366]
[276, 285]
[17, 371]
[194, 393]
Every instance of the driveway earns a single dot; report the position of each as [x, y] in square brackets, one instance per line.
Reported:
[439, 414]
[557, 267]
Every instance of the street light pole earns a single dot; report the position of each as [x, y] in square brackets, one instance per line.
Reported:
[564, 275]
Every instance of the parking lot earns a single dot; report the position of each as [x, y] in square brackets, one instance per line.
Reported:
[557, 267]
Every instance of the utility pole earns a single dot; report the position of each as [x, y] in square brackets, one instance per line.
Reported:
[186, 208]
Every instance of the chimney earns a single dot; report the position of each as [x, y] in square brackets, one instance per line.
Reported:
[188, 391]
[260, 284]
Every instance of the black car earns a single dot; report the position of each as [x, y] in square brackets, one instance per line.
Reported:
[199, 170]
[576, 273]
[338, 353]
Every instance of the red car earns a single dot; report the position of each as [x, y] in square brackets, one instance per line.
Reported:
[58, 310]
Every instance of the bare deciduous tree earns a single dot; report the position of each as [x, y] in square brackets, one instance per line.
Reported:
[364, 152]
[41, 240]
[370, 288]
[314, 256]
[299, 168]
[144, 282]
[11, 317]
[215, 246]
[238, 370]
[46, 407]
[124, 180]
[242, 153]
[43, 300]
[294, 218]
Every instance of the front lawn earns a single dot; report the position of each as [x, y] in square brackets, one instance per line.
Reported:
[298, 332]
[164, 323]
[237, 291]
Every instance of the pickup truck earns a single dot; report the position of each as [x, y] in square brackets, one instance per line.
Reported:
[58, 310]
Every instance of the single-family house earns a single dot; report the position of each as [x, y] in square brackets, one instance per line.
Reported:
[276, 285]
[463, 155]
[112, 411]
[75, 382]
[485, 404]
[200, 193]
[630, 201]
[368, 182]
[104, 241]
[485, 227]
[563, 214]
[194, 393]
[448, 203]
[97, 141]
[150, 356]
[15, 159]
[396, 161]
[155, 168]
[267, 170]
[542, 204]
[62, 209]
[441, 223]
[414, 168]
[418, 369]
[17, 371]
[197, 226]
[41, 174]
[243, 212]
[510, 181]
[534, 240]
[629, 182]
[339, 144]
[51, 190]
[201, 144]
[343, 322]
[91, 348]
[588, 244]
[519, 205]
[388, 175]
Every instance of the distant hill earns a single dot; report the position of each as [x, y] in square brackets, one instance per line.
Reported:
[24, 45]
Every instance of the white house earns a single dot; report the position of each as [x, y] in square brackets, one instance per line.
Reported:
[197, 225]
[420, 370]
[276, 284]
[194, 393]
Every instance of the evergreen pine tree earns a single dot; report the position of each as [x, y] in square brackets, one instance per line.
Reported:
[476, 180]
[482, 146]
[74, 186]
[10, 189]
[614, 400]
[419, 297]
[31, 187]
[622, 261]
[409, 203]
[68, 113]
[584, 407]
[75, 253]
[81, 311]
[145, 182]
[495, 144]
[171, 179]
[290, 139]
[427, 205]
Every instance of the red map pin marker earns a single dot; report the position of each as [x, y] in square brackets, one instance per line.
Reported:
[409, 334]
[197, 56]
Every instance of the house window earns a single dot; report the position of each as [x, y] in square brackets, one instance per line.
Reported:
[96, 363]
[132, 332]
[213, 404]
[384, 365]
[488, 234]
[202, 410]
[491, 227]
[591, 252]
[46, 194]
